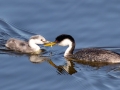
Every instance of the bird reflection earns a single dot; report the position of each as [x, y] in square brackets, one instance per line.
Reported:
[68, 68]
[62, 69]
[92, 64]
[38, 58]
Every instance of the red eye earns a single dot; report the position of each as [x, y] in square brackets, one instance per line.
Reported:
[56, 41]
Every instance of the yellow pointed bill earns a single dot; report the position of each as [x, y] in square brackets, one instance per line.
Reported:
[50, 44]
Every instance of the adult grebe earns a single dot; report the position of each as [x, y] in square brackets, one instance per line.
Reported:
[87, 54]
[30, 47]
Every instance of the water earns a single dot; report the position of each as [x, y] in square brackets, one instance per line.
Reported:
[92, 23]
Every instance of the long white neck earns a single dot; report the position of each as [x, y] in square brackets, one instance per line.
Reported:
[33, 45]
[70, 49]
[67, 52]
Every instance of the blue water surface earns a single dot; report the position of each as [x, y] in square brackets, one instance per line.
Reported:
[92, 23]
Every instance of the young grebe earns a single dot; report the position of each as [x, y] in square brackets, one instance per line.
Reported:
[29, 47]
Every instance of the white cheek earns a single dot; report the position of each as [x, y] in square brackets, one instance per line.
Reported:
[62, 44]
[41, 42]
[38, 42]
[65, 42]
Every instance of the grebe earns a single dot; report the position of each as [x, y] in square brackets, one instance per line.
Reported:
[86, 54]
[29, 47]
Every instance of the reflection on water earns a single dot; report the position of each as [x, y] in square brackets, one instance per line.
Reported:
[92, 64]
[38, 58]
[62, 69]
[67, 68]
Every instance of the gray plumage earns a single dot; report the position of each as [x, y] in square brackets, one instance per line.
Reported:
[26, 47]
[18, 45]
[87, 54]
[97, 55]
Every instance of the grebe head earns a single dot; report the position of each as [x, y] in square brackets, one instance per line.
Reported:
[64, 40]
[38, 39]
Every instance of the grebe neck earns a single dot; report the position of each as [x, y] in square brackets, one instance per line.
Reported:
[70, 49]
[33, 45]
[66, 40]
